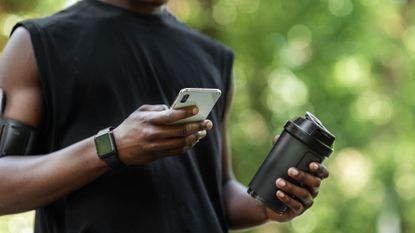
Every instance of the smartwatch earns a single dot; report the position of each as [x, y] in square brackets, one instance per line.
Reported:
[107, 149]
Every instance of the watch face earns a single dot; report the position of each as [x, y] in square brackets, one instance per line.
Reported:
[104, 145]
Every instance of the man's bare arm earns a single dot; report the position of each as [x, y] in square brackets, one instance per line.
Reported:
[29, 182]
[243, 211]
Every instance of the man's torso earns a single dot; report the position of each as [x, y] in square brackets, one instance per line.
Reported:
[99, 63]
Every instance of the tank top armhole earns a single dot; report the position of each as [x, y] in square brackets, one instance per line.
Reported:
[228, 79]
[39, 49]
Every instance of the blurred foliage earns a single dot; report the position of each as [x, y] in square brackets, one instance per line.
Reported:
[18, 6]
[350, 62]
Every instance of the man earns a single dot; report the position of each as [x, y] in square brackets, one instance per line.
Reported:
[70, 75]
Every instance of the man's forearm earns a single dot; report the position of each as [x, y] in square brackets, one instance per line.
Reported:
[242, 210]
[29, 182]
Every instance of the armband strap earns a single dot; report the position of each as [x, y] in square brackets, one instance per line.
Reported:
[16, 138]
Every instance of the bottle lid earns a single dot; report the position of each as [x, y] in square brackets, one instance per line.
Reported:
[312, 132]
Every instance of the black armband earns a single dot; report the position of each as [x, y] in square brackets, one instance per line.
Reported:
[16, 138]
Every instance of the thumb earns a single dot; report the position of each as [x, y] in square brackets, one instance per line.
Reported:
[275, 139]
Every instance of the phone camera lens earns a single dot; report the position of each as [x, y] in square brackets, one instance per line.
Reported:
[184, 99]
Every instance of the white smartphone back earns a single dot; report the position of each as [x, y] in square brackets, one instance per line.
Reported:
[203, 98]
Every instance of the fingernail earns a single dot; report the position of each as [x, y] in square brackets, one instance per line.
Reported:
[195, 111]
[201, 134]
[293, 171]
[314, 166]
[281, 183]
[209, 124]
[280, 194]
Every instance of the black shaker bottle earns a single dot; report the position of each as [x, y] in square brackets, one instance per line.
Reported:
[303, 141]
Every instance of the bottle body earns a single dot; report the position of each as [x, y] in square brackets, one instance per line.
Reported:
[300, 143]
[287, 152]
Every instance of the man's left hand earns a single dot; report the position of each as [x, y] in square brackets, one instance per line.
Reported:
[298, 198]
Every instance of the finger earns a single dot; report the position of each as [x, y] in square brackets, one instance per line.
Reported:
[190, 140]
[312, 182]
[304, 177]
[191, 128]
[319, 170]
[280, 217]
[293, 204]
[275, 139]
[172, 131]
[158, 107]
[176, 143]
[171, 115]
[186, 145]
[201, 134]
[299, 193]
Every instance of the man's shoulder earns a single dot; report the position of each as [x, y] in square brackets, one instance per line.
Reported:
[207, 41]
[213, 42]
[67, 17]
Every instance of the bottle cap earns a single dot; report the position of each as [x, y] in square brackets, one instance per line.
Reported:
[312, 132]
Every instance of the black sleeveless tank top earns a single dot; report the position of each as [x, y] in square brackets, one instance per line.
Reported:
[98, 63]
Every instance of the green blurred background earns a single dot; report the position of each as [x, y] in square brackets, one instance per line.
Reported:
[350, 62]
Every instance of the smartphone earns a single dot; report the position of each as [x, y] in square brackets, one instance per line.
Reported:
[203, 98]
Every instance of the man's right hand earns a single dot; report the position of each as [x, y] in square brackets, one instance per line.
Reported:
[144, 136]
[148, 134]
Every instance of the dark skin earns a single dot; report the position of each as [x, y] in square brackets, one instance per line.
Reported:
[146, 135]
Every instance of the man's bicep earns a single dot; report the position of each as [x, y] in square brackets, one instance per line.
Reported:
[19, 78]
